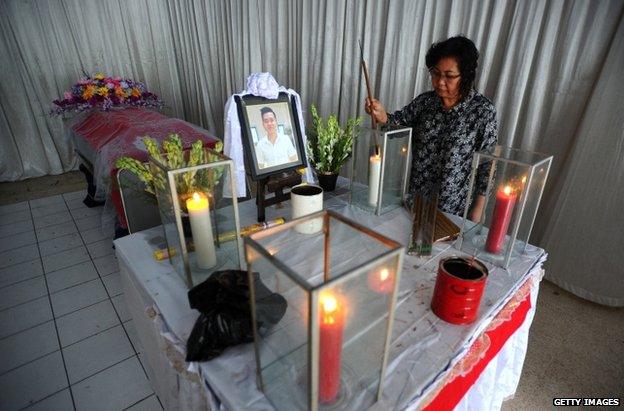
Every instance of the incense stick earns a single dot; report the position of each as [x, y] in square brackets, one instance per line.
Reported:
[370, 97]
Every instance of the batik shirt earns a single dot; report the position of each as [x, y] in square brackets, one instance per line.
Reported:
[443, 143]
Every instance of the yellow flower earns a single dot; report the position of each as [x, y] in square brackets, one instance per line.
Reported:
[102, 91]
[119, 92]
[88, 92]
[136, 92]
[99, 76]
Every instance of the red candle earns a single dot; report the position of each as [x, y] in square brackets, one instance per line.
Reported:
[381, 281]
[332, 325]
[503, 209]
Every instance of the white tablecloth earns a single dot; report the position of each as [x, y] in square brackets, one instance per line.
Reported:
[423, 350]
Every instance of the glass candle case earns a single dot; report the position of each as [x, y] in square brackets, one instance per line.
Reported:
[512, 182]
[380, 169]
[201, 226]
[330, 348]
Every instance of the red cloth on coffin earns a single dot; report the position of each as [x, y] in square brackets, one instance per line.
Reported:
[117, 133]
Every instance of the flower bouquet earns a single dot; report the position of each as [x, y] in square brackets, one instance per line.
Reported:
[105, 93]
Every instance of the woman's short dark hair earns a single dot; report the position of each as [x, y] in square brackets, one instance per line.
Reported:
[464, 51]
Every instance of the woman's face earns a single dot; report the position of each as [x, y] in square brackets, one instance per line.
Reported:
[445, 78]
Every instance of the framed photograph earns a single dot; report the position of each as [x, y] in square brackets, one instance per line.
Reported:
[271, 133]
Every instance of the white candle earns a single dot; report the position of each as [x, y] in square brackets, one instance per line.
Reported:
[373, 179]
[201, 227]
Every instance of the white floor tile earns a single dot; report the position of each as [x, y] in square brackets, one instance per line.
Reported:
[28, 345]
[56, 245]
[61, 401]
[84, 212]
[86, 322]
[71, 276]
[49, 209]
[22, 292]
[121, 307]
[24, 316]
[65, 259]
[77, 297]
[52, 219]
[112, 282]
[89, 223]
[101, 248]
[134, 337]
[15, 228]
[14, 217]
[80, 194]
[19, 255]
[149, 404]
[56, 230]
[93, 235]
[106, 265]
[46, 201]
[19, 272]
[76, 203]
[32, 382]
[11, 208]
[114, 388]
[90, 356]
[17, 240]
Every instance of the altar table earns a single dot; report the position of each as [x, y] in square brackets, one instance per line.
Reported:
[432, 364]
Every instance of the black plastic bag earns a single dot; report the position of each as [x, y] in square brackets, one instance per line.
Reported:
[225, 320]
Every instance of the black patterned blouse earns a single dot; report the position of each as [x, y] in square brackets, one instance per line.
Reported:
[443, 143]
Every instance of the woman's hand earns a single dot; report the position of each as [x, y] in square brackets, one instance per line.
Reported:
[378, 110]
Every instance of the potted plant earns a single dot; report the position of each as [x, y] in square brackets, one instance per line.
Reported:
[329, 146]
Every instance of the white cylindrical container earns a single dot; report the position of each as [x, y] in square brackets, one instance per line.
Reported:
[373, 179]
[201, 228]
[307, 199]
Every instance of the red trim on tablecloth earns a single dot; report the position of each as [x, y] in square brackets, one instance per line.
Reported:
[452, 393]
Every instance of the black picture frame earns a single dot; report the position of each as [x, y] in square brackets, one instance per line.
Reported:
[285, 112]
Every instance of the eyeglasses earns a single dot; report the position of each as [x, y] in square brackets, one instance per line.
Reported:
[436, 75]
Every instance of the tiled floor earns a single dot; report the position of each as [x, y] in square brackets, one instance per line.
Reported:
[66, 339]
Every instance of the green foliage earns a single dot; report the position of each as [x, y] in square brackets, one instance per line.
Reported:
[172, 156]
[329, 145]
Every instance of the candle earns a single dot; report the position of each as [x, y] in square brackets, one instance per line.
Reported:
[201, 228]
[381, 281]
[373, 179]
[503, 209]
[332, 325]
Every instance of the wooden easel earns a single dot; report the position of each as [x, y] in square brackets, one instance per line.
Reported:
[274, 184]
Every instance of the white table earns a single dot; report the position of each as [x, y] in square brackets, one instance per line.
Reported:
[423, 352]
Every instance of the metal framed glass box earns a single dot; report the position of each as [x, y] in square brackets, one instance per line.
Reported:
[512, 181]
[329, 350]
[201, 226]
[380, 169]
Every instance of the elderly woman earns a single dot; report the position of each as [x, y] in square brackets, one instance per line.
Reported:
[449, 124]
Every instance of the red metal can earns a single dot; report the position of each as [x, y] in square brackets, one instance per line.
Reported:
[458, 289]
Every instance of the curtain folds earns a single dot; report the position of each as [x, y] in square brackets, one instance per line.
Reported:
[545, 64]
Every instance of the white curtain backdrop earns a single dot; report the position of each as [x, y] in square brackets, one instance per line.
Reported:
[553, 69]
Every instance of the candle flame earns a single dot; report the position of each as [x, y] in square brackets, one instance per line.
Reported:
[403, 149]
[329, 306]
[507, 190]
[523, 179]
[384, 274]
[196, 197]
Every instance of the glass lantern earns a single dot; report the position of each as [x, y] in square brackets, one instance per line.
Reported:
[512, 181]
[329, 350]
[380, 169]
[201, 226]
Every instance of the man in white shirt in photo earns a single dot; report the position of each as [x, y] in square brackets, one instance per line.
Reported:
[274, 148]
